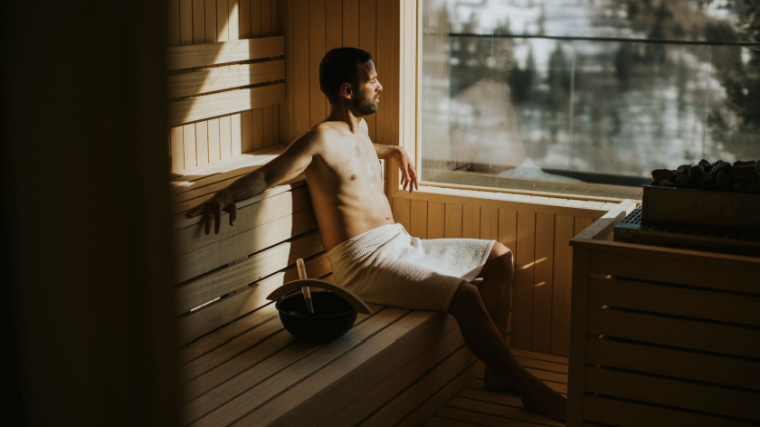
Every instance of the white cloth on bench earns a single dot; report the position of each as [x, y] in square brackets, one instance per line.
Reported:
[387, 266]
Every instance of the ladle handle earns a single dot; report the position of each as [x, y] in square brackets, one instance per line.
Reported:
[305, 289]
[301, 268]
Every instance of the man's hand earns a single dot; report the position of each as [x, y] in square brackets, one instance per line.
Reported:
[408, 174]
[212, 210]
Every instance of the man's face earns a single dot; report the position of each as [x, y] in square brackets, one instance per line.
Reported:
[367, 95]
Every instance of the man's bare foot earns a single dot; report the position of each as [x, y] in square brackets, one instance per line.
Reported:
[538, 397]
[493, 381]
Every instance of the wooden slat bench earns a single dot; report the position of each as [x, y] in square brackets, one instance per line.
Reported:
[238, 364]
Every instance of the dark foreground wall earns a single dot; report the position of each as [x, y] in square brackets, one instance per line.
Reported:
[85, 217]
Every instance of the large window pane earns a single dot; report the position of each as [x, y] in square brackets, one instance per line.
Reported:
[555, 95]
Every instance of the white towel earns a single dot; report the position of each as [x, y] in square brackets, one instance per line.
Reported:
[387, 266]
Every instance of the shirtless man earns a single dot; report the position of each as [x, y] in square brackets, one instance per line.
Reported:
[343, 177]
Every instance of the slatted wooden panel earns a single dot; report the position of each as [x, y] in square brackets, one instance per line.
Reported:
[664, 335]
[538, 235]
[311, 28]
[248, 260]
[193, 22]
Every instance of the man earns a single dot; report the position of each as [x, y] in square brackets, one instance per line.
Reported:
[372, 255]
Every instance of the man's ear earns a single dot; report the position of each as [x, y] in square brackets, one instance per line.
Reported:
[346, 91]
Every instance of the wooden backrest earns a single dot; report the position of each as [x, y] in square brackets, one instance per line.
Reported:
[221, 277]
[254, 78]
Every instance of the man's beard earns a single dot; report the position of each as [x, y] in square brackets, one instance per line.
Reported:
[364, 105]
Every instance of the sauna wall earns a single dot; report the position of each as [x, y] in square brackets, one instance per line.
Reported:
[311, 28]
[207, 21]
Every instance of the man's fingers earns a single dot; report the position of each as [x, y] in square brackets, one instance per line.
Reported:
[217, 218]
[207, 220]
[232, 209]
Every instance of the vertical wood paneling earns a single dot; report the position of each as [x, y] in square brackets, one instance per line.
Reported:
[225, 137]
[563, 263]
[333, 33]
[237, 134]
[402, 212]
[214, 130]
[543, 283]
[186, 38]
[287, 131]
[245, 18]
[387, 62]
[222, 20]
[489, 223]
[507, 235]
[452, 220]
[317, 35]
[189, 139]
[471, 221]
[351, 23]
[201, 143]
[368, 42]
[522, 335]
[267, 116]
[418, 227]
[257, 114]
[435, 216]
[177, 148]
[508, 228]
[300, 63]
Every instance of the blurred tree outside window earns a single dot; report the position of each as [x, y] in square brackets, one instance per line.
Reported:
[581, 96]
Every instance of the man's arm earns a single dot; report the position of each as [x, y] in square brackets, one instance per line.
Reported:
[408, 173]
[283, 168]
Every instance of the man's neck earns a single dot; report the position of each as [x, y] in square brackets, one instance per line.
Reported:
[345, 115]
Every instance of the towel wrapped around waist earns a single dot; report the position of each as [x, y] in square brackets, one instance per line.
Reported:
[387, 266]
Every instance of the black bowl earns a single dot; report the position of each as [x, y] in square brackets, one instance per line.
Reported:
[333, 316]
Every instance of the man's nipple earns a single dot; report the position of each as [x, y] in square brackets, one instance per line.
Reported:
[353, 177]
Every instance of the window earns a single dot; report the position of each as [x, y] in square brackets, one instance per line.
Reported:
[586, 96]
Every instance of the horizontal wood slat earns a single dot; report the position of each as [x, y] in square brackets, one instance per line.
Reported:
[201, 55]
[683, 333]
[611, 411]
[273, 204]
[675, 300]
[250, 242]
[220, 104]
[669, 392]
[242, 302]
[688, 365]
[234, 76]
[698, 269]
[240, 275]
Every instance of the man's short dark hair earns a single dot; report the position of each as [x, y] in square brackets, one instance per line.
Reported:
[340, 66]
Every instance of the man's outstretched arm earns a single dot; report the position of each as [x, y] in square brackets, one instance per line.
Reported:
[283, 168]
[408, 173]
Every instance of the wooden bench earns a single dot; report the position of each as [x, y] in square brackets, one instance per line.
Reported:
[238, 364]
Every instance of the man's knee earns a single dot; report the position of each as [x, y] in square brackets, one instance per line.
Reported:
[499, 250]
[466, 296]
[500, 261]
